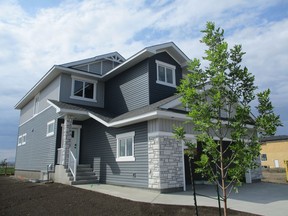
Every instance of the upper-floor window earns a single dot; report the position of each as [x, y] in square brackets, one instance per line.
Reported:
[83, 89]
[36, 104]
[125, 147]
[166, 74]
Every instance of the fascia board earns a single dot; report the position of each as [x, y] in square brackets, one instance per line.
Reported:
[61, 110]
[98, 119]
[132, 120]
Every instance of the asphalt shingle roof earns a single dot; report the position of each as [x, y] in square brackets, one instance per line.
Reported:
[109, 117]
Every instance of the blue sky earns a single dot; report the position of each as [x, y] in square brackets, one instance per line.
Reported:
[35, 35]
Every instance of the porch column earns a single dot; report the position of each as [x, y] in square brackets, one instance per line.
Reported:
[67, 136]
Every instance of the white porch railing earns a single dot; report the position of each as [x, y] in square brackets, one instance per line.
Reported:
[60, 158]
[72, 164]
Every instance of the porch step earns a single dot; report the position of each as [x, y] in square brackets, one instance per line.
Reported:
[84, 175]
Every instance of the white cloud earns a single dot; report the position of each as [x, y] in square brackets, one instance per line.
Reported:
[31, 44]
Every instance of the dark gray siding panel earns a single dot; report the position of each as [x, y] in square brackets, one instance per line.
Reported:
[65, 93]
[128, 90]
[39, 150]
[98, 148]
[158, 91]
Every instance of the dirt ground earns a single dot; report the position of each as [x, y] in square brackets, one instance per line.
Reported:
[26, 198]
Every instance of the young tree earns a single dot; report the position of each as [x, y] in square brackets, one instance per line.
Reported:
[219, 98]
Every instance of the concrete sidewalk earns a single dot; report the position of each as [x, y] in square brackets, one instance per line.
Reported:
[259, 198]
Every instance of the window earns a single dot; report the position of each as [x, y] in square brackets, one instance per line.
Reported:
[125, 147]
[22, 139]
[166, 74]
[50, 128]
[36, 104]
[263, 157]
[83, 89]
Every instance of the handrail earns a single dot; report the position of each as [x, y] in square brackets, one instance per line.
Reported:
[72, 164]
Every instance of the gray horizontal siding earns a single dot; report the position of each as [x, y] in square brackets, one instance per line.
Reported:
[128, 90]
[98, 148]
[158, 91]
[167, 125]
[39, 150]
[51, 91]
[65, 93]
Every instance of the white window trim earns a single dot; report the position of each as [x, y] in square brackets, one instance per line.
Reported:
[20, 140]
[48, 134]
[74, 78]
[36, 104]
[166, 65]
[24, 141]
[125, 158]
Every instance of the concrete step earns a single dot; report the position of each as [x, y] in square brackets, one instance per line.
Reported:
[91, 181]
[92, 177]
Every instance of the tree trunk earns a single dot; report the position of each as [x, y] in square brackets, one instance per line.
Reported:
[222, 178]
[193, 186]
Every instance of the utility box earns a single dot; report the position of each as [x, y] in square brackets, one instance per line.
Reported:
[286, 166]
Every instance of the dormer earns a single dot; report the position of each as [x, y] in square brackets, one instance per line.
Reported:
[99, 65]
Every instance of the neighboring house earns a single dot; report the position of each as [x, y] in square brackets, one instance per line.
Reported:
[274, 151]
[110, 114]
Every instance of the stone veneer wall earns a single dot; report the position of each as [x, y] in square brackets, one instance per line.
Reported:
[256, 174]
[165, 162]
[67, 136]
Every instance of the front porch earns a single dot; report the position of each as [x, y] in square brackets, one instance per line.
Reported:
[68, 169]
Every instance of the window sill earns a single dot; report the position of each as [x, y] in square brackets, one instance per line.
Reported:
[166, 84]
[123, 159]
[83, 99]
[49, 134]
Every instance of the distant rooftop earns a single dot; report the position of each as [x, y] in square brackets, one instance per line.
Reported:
[275, 138]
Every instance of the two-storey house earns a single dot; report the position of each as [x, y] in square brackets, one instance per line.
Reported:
[112, 115]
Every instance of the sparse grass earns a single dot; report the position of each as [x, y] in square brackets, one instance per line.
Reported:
[274, 175]
[7, 170]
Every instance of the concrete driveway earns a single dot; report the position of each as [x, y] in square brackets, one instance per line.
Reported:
[259, 198]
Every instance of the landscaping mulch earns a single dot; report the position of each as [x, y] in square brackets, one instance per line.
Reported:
[25, 198]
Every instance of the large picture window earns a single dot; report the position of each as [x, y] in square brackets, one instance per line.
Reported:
[125, 147]
[166, 74]
[83, 89]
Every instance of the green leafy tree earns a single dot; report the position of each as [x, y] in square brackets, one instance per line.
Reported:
[219, 98]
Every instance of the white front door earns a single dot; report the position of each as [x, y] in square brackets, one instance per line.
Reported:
[75, 143]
